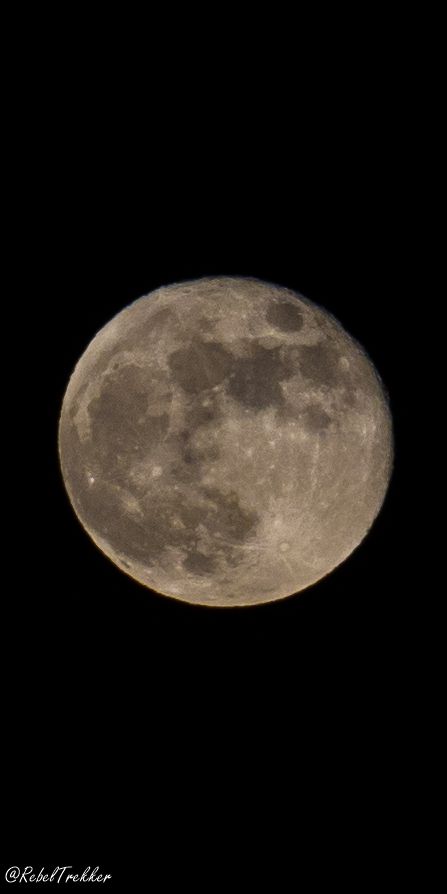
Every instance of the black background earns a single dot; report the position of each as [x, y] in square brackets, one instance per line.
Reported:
[142, 730]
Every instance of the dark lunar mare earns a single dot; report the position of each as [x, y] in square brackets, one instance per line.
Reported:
[122, 432]
[144, 538]
[200, 366]
[285, 316]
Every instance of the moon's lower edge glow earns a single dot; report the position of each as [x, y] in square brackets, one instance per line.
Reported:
[225, 442]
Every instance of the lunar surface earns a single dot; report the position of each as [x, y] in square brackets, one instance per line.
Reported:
[225, 442]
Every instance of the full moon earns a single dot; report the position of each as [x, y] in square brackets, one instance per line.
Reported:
[225, 442]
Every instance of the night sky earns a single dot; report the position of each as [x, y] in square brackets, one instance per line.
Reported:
[128, 711]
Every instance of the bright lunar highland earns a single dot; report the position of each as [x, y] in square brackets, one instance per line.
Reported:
[225, 442]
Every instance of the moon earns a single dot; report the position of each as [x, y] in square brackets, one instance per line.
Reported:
[225, 442]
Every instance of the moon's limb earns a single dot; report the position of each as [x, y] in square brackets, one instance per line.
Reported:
[225, 441]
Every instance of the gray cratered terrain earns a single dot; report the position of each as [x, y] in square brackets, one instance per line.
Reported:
[224, 441]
